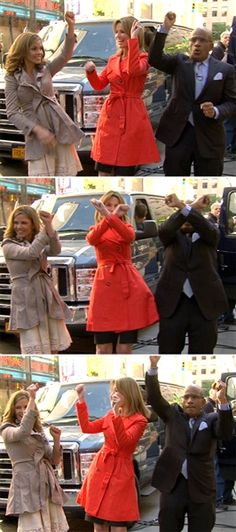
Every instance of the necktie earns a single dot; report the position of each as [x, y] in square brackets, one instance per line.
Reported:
[184, 469]
[187, 289]
[199, 78]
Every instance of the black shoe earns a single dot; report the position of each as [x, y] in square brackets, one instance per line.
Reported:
[221, 506]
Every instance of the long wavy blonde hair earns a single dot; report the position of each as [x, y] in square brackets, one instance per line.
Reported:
[9, 415]
[19, 50]
[126, 23]
[105, 198]
[27, 211]
[130, 389]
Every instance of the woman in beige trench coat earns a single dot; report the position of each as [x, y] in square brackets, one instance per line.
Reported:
[37, 311]
[35, 494]
[31, 104]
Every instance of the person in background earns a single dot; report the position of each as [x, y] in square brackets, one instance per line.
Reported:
[37, 312]
[214, 213]
[108, 493]
[185, 472]
[124, 137]
[227, 464]
[221, 48]
[35, 494]
[32, 106]
[121, 302]
[189, 294]
[140, 214]
[204, 95]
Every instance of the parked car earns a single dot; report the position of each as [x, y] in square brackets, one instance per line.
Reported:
[95, 41]
[79, 449]
[74, 269]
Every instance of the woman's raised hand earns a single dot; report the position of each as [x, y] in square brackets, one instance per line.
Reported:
[100, 207]
[32, 389]
[89, 66]
[121, 210]
[80, 389]
[70, 18]
[55, 432]
[135, 29]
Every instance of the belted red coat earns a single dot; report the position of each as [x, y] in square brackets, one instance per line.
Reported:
[108, 491]
[124, 135]
[120, 299]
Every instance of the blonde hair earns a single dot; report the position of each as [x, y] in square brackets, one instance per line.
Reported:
[131, 391]
[126, 23]
[9, 415]
[105, 198]
[27, 211]
[19, 50]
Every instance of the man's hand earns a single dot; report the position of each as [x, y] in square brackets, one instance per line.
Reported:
[154, 360]
[221, 393]
[172, 201]
[201, 203]
[208, 109]
[169, 20]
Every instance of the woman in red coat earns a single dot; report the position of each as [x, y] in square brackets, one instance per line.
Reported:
[124, 138]
[108, 493]
[121, 302]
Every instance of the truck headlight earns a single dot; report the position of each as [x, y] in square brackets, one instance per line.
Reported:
[92, 108]
[84, 281]
[85, 462]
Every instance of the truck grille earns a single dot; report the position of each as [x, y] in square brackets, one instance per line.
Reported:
[9, 134]
[5, 476]
[5, 293]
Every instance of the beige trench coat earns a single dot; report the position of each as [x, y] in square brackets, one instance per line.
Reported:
[33, 478]
[33, 293]
[31, 103]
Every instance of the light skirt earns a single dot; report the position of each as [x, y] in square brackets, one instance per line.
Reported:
[49, 519]
[50, 335]
[61, 160]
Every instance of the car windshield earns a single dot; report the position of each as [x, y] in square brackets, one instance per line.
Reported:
[94, 41]
[97, 398]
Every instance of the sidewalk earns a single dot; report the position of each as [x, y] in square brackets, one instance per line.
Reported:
[226, 341]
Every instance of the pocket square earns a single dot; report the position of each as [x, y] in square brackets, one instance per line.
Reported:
[218, 76]
[203, 425]
[195, 236]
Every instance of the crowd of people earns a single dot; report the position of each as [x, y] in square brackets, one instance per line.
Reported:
[184, 473]
[189, 299]
[203, 99]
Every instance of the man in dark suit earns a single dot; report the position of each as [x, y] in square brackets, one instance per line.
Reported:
[203, 96]
[185, 473]
[189, 294]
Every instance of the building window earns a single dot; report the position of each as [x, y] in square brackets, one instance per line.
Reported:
[204, 13]
[212, 371]
[204, 357]
[203, 371]
[194, 372]
[224, 13]
[194, 358]
[204, 184]
[213, 357]
[214, 13]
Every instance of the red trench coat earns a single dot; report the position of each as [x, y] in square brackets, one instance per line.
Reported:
[124, 135]
[120, 299]
[108, 491]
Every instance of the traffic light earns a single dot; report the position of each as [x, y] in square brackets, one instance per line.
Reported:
[183, 366]
[193, 7]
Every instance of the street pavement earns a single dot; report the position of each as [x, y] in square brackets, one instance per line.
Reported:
[226, 341]
[225, 520]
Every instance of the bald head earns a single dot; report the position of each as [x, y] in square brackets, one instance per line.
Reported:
[193, 400]
[200, 44]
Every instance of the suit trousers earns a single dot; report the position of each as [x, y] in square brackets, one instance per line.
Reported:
[187, 319]
[179, 158]
[176, 504]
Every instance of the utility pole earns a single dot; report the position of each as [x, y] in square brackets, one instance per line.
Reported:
[23, 193]
[62, 9]
[32, 18]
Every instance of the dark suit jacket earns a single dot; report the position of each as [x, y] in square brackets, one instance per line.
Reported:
[199, 449]
[196, 261]
[221, 92]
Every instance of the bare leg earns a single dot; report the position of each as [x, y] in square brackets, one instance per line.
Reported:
[100, 528]
[104, 349]
[124, 349]
[102, 174]
[118, 529]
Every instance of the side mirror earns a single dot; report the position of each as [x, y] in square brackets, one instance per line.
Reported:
[149, 230]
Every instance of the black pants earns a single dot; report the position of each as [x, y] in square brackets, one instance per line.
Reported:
[179, 158]
[187, 320]
[175, 505]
